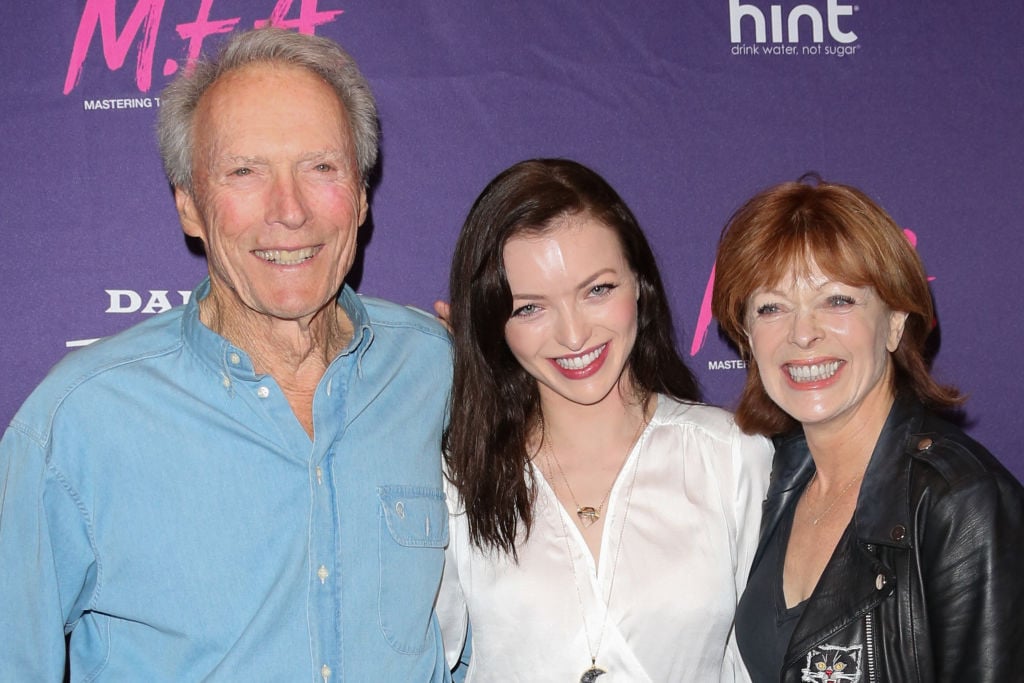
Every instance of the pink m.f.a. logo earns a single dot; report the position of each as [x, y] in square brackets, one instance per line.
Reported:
[99, 16]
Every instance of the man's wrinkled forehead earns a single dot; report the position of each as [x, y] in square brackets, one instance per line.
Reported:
[236, 95]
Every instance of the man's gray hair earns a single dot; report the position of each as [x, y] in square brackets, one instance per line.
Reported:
[321, 56]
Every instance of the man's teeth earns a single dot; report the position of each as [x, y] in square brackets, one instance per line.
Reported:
[285, 257]
[812, 373]
[580, 362]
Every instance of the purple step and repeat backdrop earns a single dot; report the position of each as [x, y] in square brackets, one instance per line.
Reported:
[686, 107]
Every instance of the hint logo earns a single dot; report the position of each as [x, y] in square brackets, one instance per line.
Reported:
[786, 26]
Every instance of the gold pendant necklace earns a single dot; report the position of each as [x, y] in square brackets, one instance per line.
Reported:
[587, 514]
[591, 674]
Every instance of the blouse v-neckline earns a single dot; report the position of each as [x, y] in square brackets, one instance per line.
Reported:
[596, 565]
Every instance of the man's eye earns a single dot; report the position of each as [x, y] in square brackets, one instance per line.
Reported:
[324, 168]
[242, 172]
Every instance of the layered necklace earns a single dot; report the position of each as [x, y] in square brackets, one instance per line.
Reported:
[587, 516]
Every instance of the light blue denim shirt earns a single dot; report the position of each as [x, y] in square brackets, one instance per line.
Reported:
[160, 501]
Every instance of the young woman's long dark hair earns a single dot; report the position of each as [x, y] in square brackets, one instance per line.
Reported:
[495, 403]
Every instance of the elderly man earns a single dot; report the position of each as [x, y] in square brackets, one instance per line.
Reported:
[246, 488]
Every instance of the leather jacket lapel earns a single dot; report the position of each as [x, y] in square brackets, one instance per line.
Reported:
[791, 469]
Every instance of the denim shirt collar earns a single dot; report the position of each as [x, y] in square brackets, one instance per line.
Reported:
[232, 363]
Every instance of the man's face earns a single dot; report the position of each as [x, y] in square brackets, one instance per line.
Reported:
[277, 195]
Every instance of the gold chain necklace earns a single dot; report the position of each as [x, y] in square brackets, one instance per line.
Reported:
[592, 673]
[587, 514]
[836, 499]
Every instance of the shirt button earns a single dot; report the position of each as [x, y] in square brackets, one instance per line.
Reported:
[325, 672]
[263, 392]
[235, 359]
[880, 581]
[898, 533]
[400, 509]
[924, 444]
[226, 382]
[322, 573]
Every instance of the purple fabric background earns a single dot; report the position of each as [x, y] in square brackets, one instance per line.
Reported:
[924, 113]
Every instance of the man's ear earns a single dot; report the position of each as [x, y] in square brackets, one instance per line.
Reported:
[363, 206]
[188, 213]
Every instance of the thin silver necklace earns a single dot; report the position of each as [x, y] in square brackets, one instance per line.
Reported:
[591, 674]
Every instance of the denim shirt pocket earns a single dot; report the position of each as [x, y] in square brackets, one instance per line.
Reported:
[413, 534]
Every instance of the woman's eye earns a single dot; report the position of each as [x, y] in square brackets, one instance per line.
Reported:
[767, 309]
[524, 311]
[602, 289]
[840, 300]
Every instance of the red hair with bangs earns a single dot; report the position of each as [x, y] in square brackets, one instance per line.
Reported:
[786, 230]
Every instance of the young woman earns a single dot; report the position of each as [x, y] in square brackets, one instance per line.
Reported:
[603, 521]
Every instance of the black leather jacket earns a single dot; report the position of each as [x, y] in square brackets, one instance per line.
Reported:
[927, 583]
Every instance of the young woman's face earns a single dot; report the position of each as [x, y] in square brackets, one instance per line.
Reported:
[823, 348]
[574, 310]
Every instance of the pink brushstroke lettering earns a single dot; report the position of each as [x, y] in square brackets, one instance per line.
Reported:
[703, 318]
[912, 238]
[309, 16]
[197, 31]
[143, 26]
[100, 13]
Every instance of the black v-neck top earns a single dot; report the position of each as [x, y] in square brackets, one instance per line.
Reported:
[764, 625]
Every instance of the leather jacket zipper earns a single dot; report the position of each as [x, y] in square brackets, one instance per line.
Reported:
[869, 636]
[869, 646]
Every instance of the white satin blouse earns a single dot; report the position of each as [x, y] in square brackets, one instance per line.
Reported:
[663, 612]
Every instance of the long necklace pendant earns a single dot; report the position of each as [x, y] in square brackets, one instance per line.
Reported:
[588, 516]
[591, 674]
